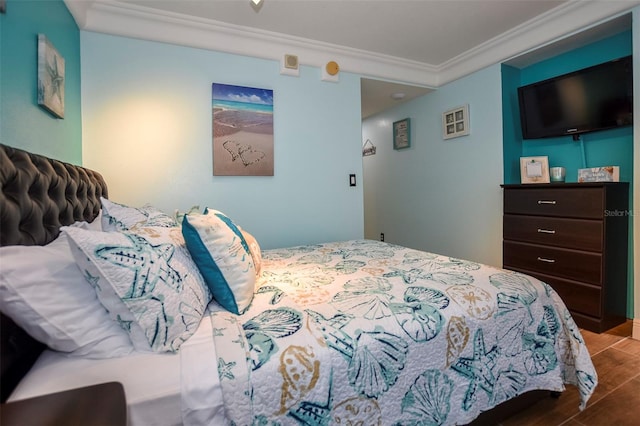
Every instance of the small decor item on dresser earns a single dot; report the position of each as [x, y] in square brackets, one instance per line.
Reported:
[534, 169]
[557, 174]
[599, 174]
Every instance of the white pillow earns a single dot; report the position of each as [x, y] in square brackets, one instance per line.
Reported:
[146, 280]
[44, 292]
[223, 256]
[95, 225]
[118, 217]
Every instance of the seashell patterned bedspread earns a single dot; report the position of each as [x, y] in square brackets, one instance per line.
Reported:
[376, 334]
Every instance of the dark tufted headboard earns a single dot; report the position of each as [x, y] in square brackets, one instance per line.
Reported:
[38, 195]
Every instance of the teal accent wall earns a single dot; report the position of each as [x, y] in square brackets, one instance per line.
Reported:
[603, 148]
[442, 196]
[24, 124]
[147, 127]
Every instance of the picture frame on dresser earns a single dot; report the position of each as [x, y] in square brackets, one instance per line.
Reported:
[534, 169]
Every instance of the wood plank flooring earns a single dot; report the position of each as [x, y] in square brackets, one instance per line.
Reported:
[616, 400]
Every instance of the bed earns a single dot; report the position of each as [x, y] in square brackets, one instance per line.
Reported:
[319, 334]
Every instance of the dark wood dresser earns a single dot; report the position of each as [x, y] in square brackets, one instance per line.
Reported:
[574, 237]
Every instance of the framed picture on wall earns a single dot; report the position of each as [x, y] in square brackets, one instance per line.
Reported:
[402, 134]
[534, 169]
[455, 122]
[242, 130]
[50, 77]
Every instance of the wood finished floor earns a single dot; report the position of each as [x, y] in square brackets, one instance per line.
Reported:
[616, 400]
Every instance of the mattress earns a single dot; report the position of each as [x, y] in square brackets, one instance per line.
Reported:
[160, 389]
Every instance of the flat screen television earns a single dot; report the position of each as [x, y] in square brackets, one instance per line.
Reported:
[595, 98]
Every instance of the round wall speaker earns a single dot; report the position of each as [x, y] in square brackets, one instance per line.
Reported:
[332, 68]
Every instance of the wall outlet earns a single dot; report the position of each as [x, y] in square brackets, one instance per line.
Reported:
[382, 236]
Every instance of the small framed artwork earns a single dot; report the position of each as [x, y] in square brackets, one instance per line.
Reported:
[534, 169]
[50, 77]
[402, 134]
[455, 122]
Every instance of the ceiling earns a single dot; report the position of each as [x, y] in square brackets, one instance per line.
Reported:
[426, 31]
[427, 34]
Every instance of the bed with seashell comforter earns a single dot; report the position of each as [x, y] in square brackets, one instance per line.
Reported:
[355, 332]
[366, 332]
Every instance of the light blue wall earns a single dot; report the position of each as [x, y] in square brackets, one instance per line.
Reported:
[147, 128]
[23, 124]
[442, 196]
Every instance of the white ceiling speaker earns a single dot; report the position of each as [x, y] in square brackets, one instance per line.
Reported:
[289, 65]
[291, 62]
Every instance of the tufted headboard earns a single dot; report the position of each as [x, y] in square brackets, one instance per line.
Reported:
[38, 195]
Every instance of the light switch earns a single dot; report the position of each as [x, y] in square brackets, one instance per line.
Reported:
[352, 179]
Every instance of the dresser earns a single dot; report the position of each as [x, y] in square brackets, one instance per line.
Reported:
[574, 237]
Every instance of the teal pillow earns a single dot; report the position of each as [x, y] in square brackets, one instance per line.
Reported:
[223, 257]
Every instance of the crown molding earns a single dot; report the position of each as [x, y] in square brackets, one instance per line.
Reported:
[127, 20]
[134, 21]
[560, 22]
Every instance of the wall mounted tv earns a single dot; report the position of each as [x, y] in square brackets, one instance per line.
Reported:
[595, 98]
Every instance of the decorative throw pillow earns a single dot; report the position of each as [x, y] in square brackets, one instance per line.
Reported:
[44, 292]
[223, 256]
[254, 248]
[118, 217]
[146, 280]
[179, 215]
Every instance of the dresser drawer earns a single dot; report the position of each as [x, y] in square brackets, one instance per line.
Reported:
[578, 297]
[587, 203]
[578, 234]
[563, 263]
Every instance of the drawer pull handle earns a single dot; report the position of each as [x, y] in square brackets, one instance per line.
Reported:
[546, 201]
[542, 259]
[546, 231]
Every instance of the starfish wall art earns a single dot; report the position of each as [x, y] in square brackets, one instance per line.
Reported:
[50, 77]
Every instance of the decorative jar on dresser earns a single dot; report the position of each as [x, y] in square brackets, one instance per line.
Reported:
[574, 237]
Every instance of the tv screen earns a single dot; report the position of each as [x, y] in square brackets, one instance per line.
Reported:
[594, 98]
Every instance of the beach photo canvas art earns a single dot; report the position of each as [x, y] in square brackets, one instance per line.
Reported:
[242, 131]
